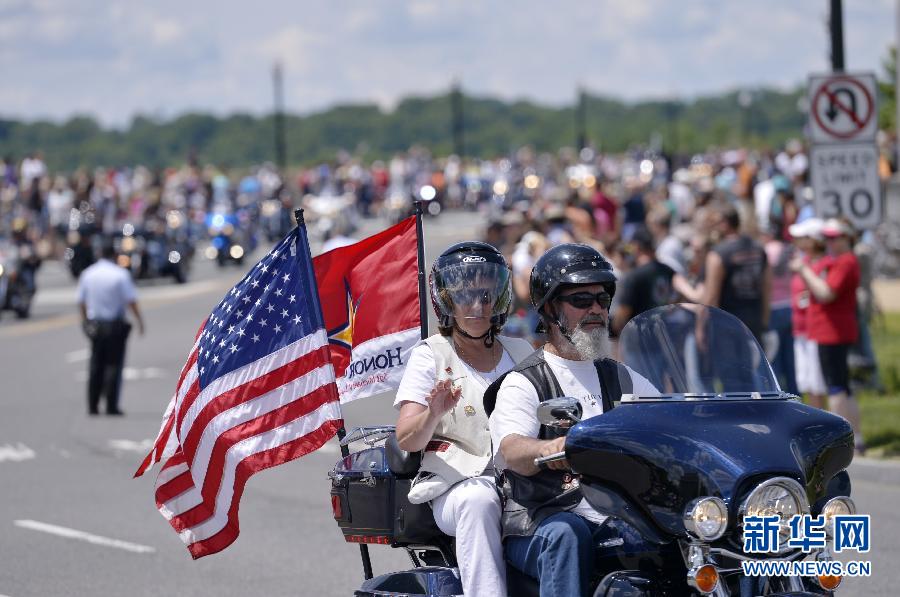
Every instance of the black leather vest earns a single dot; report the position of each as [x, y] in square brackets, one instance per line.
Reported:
[527, 501]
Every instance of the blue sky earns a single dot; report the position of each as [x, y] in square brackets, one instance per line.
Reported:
[114, 59]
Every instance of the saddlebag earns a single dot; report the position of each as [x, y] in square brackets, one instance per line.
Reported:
[370, 505]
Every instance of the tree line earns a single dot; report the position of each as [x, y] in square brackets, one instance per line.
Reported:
[762, 118]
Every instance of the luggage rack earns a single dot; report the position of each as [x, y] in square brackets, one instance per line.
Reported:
[370, 435]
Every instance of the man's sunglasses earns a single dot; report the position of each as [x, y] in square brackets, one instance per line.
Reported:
[470, 296]
[584, 300]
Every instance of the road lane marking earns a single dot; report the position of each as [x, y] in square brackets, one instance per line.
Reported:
[129, 445]
[16, 453]
[168, 295]
[132, 374]
[77, 356]
[53, 529]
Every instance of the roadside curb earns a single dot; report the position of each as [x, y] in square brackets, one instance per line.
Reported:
[886, 472]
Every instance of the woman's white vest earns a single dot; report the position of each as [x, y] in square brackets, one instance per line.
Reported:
[461, 445]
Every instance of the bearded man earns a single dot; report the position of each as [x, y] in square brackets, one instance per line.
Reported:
[554, 534]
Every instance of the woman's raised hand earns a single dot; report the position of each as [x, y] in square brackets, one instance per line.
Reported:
[443, 397]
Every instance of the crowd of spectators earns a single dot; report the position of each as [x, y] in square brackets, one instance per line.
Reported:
[723, 228]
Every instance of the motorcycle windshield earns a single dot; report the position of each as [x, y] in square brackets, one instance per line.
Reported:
[699, 351]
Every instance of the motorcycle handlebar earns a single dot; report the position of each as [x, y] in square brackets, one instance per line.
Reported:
[541, 462]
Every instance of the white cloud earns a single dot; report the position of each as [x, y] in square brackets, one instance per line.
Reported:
[166, 31]
[117, 58]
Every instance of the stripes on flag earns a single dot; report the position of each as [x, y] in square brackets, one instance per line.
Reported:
[257, 390]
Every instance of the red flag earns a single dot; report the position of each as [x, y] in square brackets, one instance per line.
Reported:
[258, 390]
[370, 299]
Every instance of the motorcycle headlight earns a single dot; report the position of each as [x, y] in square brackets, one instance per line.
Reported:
[174, 257]
[838, 506]
[237, 251]
[781, 497]
[706, 518]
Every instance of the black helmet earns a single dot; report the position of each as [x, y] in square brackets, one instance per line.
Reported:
[569, 264]
[465, 268]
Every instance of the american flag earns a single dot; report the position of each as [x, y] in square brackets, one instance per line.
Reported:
[258, 390]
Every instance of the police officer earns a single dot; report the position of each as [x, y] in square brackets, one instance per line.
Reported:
[104, 292]
[555, 535]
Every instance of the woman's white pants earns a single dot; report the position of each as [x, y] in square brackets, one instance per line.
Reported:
[470, 511]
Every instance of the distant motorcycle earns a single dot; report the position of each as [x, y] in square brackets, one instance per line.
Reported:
[226, 244]
[18, 269]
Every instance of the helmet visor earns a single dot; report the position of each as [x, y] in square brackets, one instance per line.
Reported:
[474, 291]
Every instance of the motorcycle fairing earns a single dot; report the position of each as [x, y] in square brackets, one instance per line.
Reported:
[659, 455]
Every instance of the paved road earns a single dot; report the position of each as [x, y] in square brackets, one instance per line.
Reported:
[74, 522]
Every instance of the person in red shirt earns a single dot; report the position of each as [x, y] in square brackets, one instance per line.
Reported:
[808, 239]
[831, 319]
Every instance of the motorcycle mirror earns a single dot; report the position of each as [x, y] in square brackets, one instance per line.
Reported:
[559, 413]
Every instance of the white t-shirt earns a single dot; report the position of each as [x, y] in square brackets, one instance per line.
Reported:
[517, 402]
[419, 377]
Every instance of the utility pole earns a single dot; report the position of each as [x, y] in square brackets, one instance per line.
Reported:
[456, 107]
[280, 143]
[836, 25]
[581, 120]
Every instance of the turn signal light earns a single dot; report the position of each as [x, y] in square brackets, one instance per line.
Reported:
[704, 578]
[380, 540]
[829, 583]
[336, 507]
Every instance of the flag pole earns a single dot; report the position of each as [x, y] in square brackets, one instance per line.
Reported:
[420, 254]
[341, 432]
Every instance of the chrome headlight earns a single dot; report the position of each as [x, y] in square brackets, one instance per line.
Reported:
[781, 497]
[838, 506]
[706, 518]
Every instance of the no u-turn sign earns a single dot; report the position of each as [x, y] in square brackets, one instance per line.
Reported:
[842, 108]
[843, 121]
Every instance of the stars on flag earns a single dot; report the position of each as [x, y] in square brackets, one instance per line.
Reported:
[254, 300]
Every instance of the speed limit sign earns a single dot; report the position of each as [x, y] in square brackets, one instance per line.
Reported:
[845, 183]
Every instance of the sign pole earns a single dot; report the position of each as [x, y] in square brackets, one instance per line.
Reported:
[897, 77]
[836, 26]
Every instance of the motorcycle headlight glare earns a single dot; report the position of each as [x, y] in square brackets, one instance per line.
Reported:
[838, 506]
[237, 251]
[782, 497]
[174, 257]
[706, 518]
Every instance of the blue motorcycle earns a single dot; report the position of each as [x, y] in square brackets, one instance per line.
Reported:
[720, 444]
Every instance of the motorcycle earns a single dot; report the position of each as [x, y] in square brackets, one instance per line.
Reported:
[227, 244]
[720, 442]
[151, 252]
[18, 269]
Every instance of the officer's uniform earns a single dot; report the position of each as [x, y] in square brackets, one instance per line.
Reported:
[106, 290]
